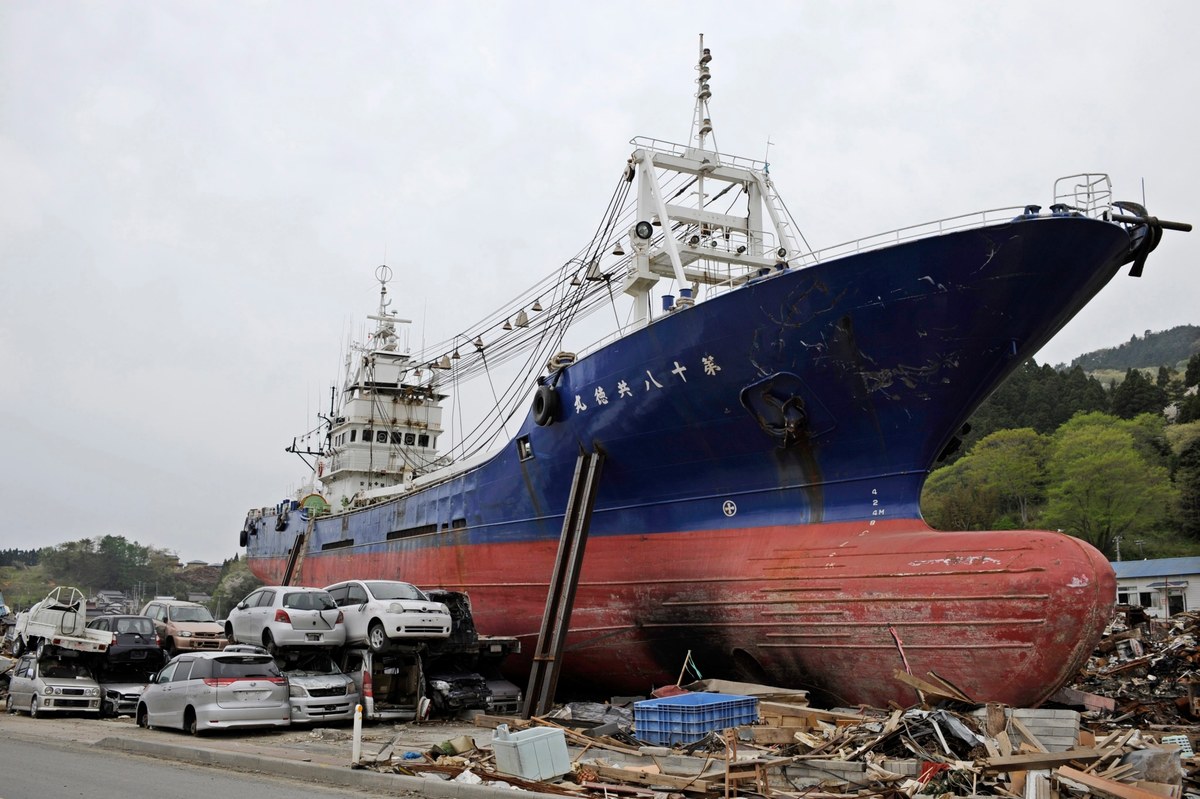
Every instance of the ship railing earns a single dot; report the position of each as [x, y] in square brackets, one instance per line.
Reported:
[684, 151]
[1088, 194]
[923, 230]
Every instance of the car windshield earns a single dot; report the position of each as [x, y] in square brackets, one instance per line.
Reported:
[135, 625]
[252, 666]
[188, 613]
[389, 590]
[316, 663]
[63, 669]
[125, 672]
[308, 600]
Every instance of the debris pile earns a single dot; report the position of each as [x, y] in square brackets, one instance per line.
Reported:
[990, 750]
[1126, 732]
[1147, 667]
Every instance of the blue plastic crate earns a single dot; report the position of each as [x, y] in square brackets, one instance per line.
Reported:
[687, 718]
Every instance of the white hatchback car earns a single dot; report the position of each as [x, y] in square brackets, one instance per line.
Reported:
[381, 612]
[278, 616]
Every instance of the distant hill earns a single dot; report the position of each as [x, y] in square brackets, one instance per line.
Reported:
[1171, 348]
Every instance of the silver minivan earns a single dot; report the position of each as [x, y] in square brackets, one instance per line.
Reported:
[201, 691]
[52, 684]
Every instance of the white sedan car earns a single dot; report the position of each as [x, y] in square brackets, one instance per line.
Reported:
[284, 616]
[382, 612]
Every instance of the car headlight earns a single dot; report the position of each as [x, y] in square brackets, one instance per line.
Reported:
[93, 692]
[296, 690]
[185, 633]
[395, 607]
[48, 690]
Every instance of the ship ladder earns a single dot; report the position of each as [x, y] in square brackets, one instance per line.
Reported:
[296, 560]
[560, 598]
[780, 218]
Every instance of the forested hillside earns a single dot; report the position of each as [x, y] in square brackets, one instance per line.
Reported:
[112, 563]
[1170, 348]
[1061, 450]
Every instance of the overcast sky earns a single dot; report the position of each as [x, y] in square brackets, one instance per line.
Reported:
[194, 195]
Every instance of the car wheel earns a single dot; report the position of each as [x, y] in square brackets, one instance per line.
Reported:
[377, 637]
[168, 646]
[269, 643]
[189, 722]
[142, 718]
[12, 706]
[33, 708]
[18, 646]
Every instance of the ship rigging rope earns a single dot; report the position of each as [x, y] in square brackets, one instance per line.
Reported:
[546, 332]
[538, 336]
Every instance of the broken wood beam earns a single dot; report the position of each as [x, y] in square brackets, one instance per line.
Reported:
[1121, 790]
[648, 778]
[1035, 760]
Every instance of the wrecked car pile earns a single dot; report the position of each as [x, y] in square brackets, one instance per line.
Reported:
[1126, 728]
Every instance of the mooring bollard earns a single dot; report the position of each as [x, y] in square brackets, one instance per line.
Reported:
[356, 748]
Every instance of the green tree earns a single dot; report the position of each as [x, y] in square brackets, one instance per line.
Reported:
[1011, 463]
[1187, 480]
[1136, 395]
[1191, 375]
[1039, 397]
[1189, 409]
[1101, 486]
[953, 499]
[235, 583]
[110, 562]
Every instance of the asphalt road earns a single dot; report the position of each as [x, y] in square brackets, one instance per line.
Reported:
[36, 771]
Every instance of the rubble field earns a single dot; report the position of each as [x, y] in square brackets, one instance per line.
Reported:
[1126, 727]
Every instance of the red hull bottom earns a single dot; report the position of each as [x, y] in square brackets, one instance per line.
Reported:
[1006, 616]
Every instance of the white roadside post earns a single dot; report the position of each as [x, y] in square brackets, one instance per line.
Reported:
[356, 748]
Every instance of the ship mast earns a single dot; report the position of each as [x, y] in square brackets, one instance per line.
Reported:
[689, 243]
[701, 117]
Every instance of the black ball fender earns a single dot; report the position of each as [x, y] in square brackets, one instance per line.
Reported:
[545, 405]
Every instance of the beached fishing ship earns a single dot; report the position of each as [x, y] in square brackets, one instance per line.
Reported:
[745, 452]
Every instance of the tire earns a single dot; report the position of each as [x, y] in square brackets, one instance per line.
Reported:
[377, 637]
[18, 646]
[142, 718]
[269, 643]
[545, 405]
[11, 706]
[168, 646]
[33, 708]
[190, 725]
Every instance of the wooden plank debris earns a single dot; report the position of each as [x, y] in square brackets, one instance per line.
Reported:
[1106, 787]
[649, 777]
[1040, 759]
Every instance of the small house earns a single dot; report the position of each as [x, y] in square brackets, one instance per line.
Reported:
[1163, 586]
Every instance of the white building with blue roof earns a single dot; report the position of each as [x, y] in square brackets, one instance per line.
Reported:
[1163, 586]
